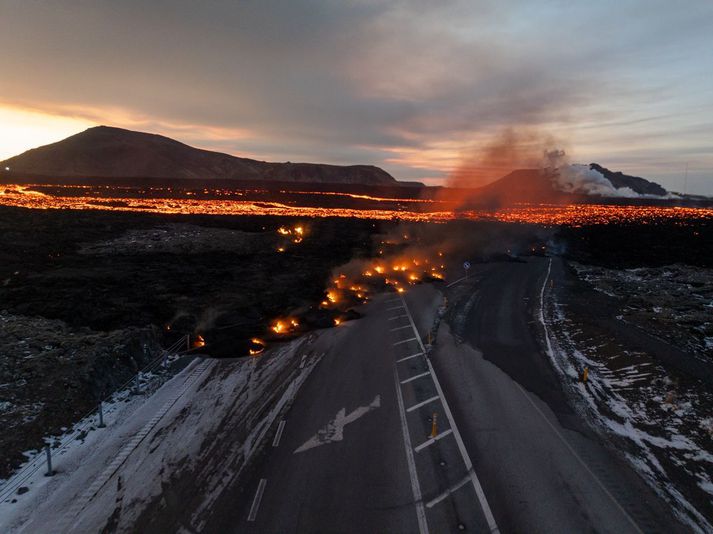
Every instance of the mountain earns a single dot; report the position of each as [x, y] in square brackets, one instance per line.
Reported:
[522, 185]
[574, 183]
[636, 184]
[106, 152]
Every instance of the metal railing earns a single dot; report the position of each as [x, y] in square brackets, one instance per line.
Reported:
[43, 457]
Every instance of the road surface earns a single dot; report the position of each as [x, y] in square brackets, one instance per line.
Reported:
[373, 437]
[379, 472]
[510, 454]
[542, 467]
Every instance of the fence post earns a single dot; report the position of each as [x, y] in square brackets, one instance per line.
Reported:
[101, 415]
[49, 472]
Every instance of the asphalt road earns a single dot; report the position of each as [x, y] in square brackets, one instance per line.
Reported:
[355, 452]
[542, 467]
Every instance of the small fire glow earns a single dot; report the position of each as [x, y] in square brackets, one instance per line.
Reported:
[258, 346]
[296, 234]
[199, 342]
[284, 326]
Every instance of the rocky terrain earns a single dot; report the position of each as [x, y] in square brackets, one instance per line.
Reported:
[82, 293]
[642, 335]
[52, 374]
[674, 301]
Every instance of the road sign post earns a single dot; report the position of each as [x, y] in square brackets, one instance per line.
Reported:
[49, 472]
[466, 266]
[101, 415]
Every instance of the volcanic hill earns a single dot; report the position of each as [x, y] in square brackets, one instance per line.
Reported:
[107, 152]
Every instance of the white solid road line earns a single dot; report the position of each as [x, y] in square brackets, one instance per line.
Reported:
[256, 501]
[410, 357]
[278, 434]
[456, 281]
[581, 462]
[542, 311]
[433, 440]
[415, 486]
[554, 429]
[400, 328]
[487, 512]
[452, 489]
[406, 341]
[394, 308]
[398, 317]
[415, 377]
[427, 401]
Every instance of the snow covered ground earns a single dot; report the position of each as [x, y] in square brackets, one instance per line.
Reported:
[199, 428]
[663, 424]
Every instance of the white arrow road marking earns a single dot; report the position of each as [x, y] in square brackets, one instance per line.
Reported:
[334, 431]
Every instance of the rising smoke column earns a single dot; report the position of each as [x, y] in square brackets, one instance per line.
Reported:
[538, 167]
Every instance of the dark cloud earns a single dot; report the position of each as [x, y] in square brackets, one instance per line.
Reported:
[354, 81]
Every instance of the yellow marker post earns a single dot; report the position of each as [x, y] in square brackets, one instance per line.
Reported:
[434, 425]
[585, 375]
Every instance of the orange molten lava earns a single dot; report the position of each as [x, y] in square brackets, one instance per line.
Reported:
[544, 214]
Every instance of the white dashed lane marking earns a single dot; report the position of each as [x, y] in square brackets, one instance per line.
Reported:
[256, 501]
[471, 476]
[410, 357]
[433, 440]
[405, 341]
[423, 403]
[415, 377]
[278, 434]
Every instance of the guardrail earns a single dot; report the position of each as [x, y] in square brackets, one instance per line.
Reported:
[95, 418]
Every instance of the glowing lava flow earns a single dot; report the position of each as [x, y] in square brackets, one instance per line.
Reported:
[257, 346]
[284, 326]
[543, 214]
[381, 273]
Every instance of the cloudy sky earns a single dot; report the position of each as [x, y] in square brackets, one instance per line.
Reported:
[417, 87]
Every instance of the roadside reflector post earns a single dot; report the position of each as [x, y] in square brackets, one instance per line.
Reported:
[137, 387]
[434, 425]
[101, 415]
[585, 374]
[49, 472]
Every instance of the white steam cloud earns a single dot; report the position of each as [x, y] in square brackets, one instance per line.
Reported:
[583, 180]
